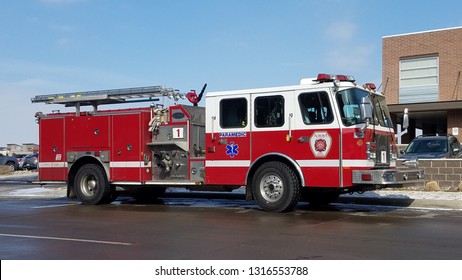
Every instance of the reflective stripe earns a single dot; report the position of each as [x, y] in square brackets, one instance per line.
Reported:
[335, 163]
[114, 164]
[124, 164]
[319, 163]
[54, 164]
[302, 163]
[227, 163]
[358, 163]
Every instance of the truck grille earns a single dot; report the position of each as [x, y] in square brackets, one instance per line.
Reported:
[382, 150]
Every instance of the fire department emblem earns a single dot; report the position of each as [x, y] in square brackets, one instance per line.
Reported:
[320, 143]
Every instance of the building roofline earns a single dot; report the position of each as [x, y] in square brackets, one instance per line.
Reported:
[426, 106]
[421, 32]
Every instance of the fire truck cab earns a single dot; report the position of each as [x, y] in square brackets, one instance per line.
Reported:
[313, 141]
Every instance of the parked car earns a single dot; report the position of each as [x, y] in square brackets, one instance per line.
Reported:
[9, 161]
[30, 162]
[436, 146]
[19, 157]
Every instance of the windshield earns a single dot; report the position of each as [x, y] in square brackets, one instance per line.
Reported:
[427, 146]
[349, 102]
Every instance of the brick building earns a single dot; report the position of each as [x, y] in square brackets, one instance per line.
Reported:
[422, 72]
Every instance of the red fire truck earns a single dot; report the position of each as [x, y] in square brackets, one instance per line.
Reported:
[313, 141]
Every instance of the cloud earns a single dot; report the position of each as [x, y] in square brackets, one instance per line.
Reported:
[65, 35]
[64, 42]
[64, 28]
[350, 58]
[341, 30]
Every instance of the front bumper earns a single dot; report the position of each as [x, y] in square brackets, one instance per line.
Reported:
[388, 177]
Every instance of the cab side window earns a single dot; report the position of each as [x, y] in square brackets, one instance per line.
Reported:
[315, 108]
[269, 111]
[233, 113]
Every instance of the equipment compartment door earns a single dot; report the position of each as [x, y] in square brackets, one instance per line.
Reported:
[126, 157]
[52, 163]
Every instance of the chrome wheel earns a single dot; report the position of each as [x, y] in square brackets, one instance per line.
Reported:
[271, 187]
[89, 185]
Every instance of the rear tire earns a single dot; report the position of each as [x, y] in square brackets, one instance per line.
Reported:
[91, 185]
[275, 187]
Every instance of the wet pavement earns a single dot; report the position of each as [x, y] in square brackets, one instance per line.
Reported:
[386, 197]
[41, 223]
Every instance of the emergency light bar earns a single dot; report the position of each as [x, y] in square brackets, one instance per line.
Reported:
[323, 78]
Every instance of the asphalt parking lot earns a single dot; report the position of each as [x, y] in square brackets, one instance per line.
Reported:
[386, 197]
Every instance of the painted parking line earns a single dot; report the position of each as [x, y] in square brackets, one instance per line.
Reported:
[55, 205]
[66, 239]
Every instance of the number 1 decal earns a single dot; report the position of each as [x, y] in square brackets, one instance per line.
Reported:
[178, 132]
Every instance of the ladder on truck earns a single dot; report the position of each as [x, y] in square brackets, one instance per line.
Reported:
[111, 96]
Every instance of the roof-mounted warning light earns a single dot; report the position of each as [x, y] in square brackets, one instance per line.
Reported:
[370, 86]
[322, 78]
[346, 78]
[325, 78]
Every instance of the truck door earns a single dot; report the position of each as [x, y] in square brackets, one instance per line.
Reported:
[318, 139]
[272, 120]
[228, 139]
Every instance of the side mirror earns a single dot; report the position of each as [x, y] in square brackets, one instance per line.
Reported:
[366, 109]
[405, 119]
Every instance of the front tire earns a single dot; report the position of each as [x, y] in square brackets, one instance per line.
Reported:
[275, 187]
[91, 185]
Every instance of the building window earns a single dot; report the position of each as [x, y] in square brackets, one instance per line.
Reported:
[418, 80]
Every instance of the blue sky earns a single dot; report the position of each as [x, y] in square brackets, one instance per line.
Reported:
[54, 46]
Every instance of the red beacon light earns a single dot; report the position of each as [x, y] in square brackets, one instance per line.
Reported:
[346, 78]
[325, 78]
[370, 86]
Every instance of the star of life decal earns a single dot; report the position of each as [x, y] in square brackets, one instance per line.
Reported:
[231, 149]
[320, 143]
